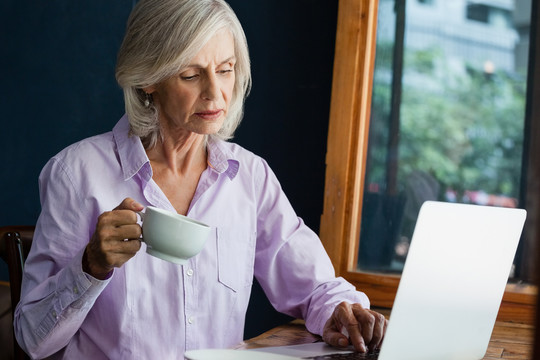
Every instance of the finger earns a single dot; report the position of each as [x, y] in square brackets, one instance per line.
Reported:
[345, 318]
[384, 332]
[366, 320]
[332, 334]
[125, 239]
[117, 218]
[116, 253]
[112, 237]
[379, 327]
[129, 232]
[129, 204]
[127, 247]
[358, 338]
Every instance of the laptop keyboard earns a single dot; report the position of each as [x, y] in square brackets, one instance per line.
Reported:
[372, 355]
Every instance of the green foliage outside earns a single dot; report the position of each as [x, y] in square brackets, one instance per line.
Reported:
[464, 128]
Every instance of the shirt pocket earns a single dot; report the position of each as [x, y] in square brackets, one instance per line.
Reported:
[236, 257]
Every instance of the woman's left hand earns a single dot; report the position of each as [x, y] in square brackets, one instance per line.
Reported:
[365, 327]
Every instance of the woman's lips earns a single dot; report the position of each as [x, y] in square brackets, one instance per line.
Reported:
[210, 114]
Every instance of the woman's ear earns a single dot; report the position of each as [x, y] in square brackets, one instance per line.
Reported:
[149, 89]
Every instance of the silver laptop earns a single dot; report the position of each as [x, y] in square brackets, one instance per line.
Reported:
[451, 286]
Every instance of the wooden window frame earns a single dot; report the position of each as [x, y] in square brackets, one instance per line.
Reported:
[348, 132]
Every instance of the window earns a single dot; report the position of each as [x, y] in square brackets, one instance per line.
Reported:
[360, 168]
[492, 15]
[478, 12]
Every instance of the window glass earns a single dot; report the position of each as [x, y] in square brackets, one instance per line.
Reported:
[447, 117]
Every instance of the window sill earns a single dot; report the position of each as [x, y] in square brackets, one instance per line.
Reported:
[518, 303]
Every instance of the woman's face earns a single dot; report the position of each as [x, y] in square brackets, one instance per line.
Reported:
[197, 99]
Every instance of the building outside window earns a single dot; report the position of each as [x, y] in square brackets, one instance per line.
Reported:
[447, 117]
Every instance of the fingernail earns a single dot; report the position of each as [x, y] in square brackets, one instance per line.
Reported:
[343, 342]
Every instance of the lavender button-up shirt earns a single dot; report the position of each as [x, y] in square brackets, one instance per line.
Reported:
[150, 308]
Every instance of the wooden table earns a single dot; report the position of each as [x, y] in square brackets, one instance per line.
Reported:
[511, 341]
[508, 341]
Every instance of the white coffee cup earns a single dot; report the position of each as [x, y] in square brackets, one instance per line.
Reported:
[171, 236]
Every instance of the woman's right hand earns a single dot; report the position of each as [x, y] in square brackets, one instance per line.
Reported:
[115, 241]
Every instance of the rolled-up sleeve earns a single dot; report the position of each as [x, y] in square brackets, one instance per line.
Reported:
[291, 264]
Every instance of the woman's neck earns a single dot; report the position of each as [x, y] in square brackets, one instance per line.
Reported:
[179, 155]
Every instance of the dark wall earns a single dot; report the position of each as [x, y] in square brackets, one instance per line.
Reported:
[58, 87]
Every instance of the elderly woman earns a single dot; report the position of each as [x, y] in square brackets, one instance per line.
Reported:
[88, 289]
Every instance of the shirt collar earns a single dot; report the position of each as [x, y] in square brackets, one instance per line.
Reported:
[221, 159]
[131, 152]
[133, 157]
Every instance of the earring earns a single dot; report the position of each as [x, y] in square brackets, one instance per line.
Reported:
[148, 100]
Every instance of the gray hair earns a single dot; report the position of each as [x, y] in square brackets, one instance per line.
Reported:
[162, 37]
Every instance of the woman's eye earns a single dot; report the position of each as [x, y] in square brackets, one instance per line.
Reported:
[226, 71]
[188, 77]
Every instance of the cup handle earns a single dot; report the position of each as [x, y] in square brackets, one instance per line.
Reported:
[141, 218]
[141, 215]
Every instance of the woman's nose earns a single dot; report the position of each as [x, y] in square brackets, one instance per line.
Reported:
[211, 89]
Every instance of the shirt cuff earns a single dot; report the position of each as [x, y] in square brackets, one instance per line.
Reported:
[352, 296]
[85, 286]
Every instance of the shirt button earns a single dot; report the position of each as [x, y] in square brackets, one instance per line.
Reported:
[190, 320]
[75, 290]
[190, 272]
[54, 314]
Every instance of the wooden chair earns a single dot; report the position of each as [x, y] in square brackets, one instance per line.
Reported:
[15, 243]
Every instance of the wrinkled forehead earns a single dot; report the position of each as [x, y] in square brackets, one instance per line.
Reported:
[219, 49]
